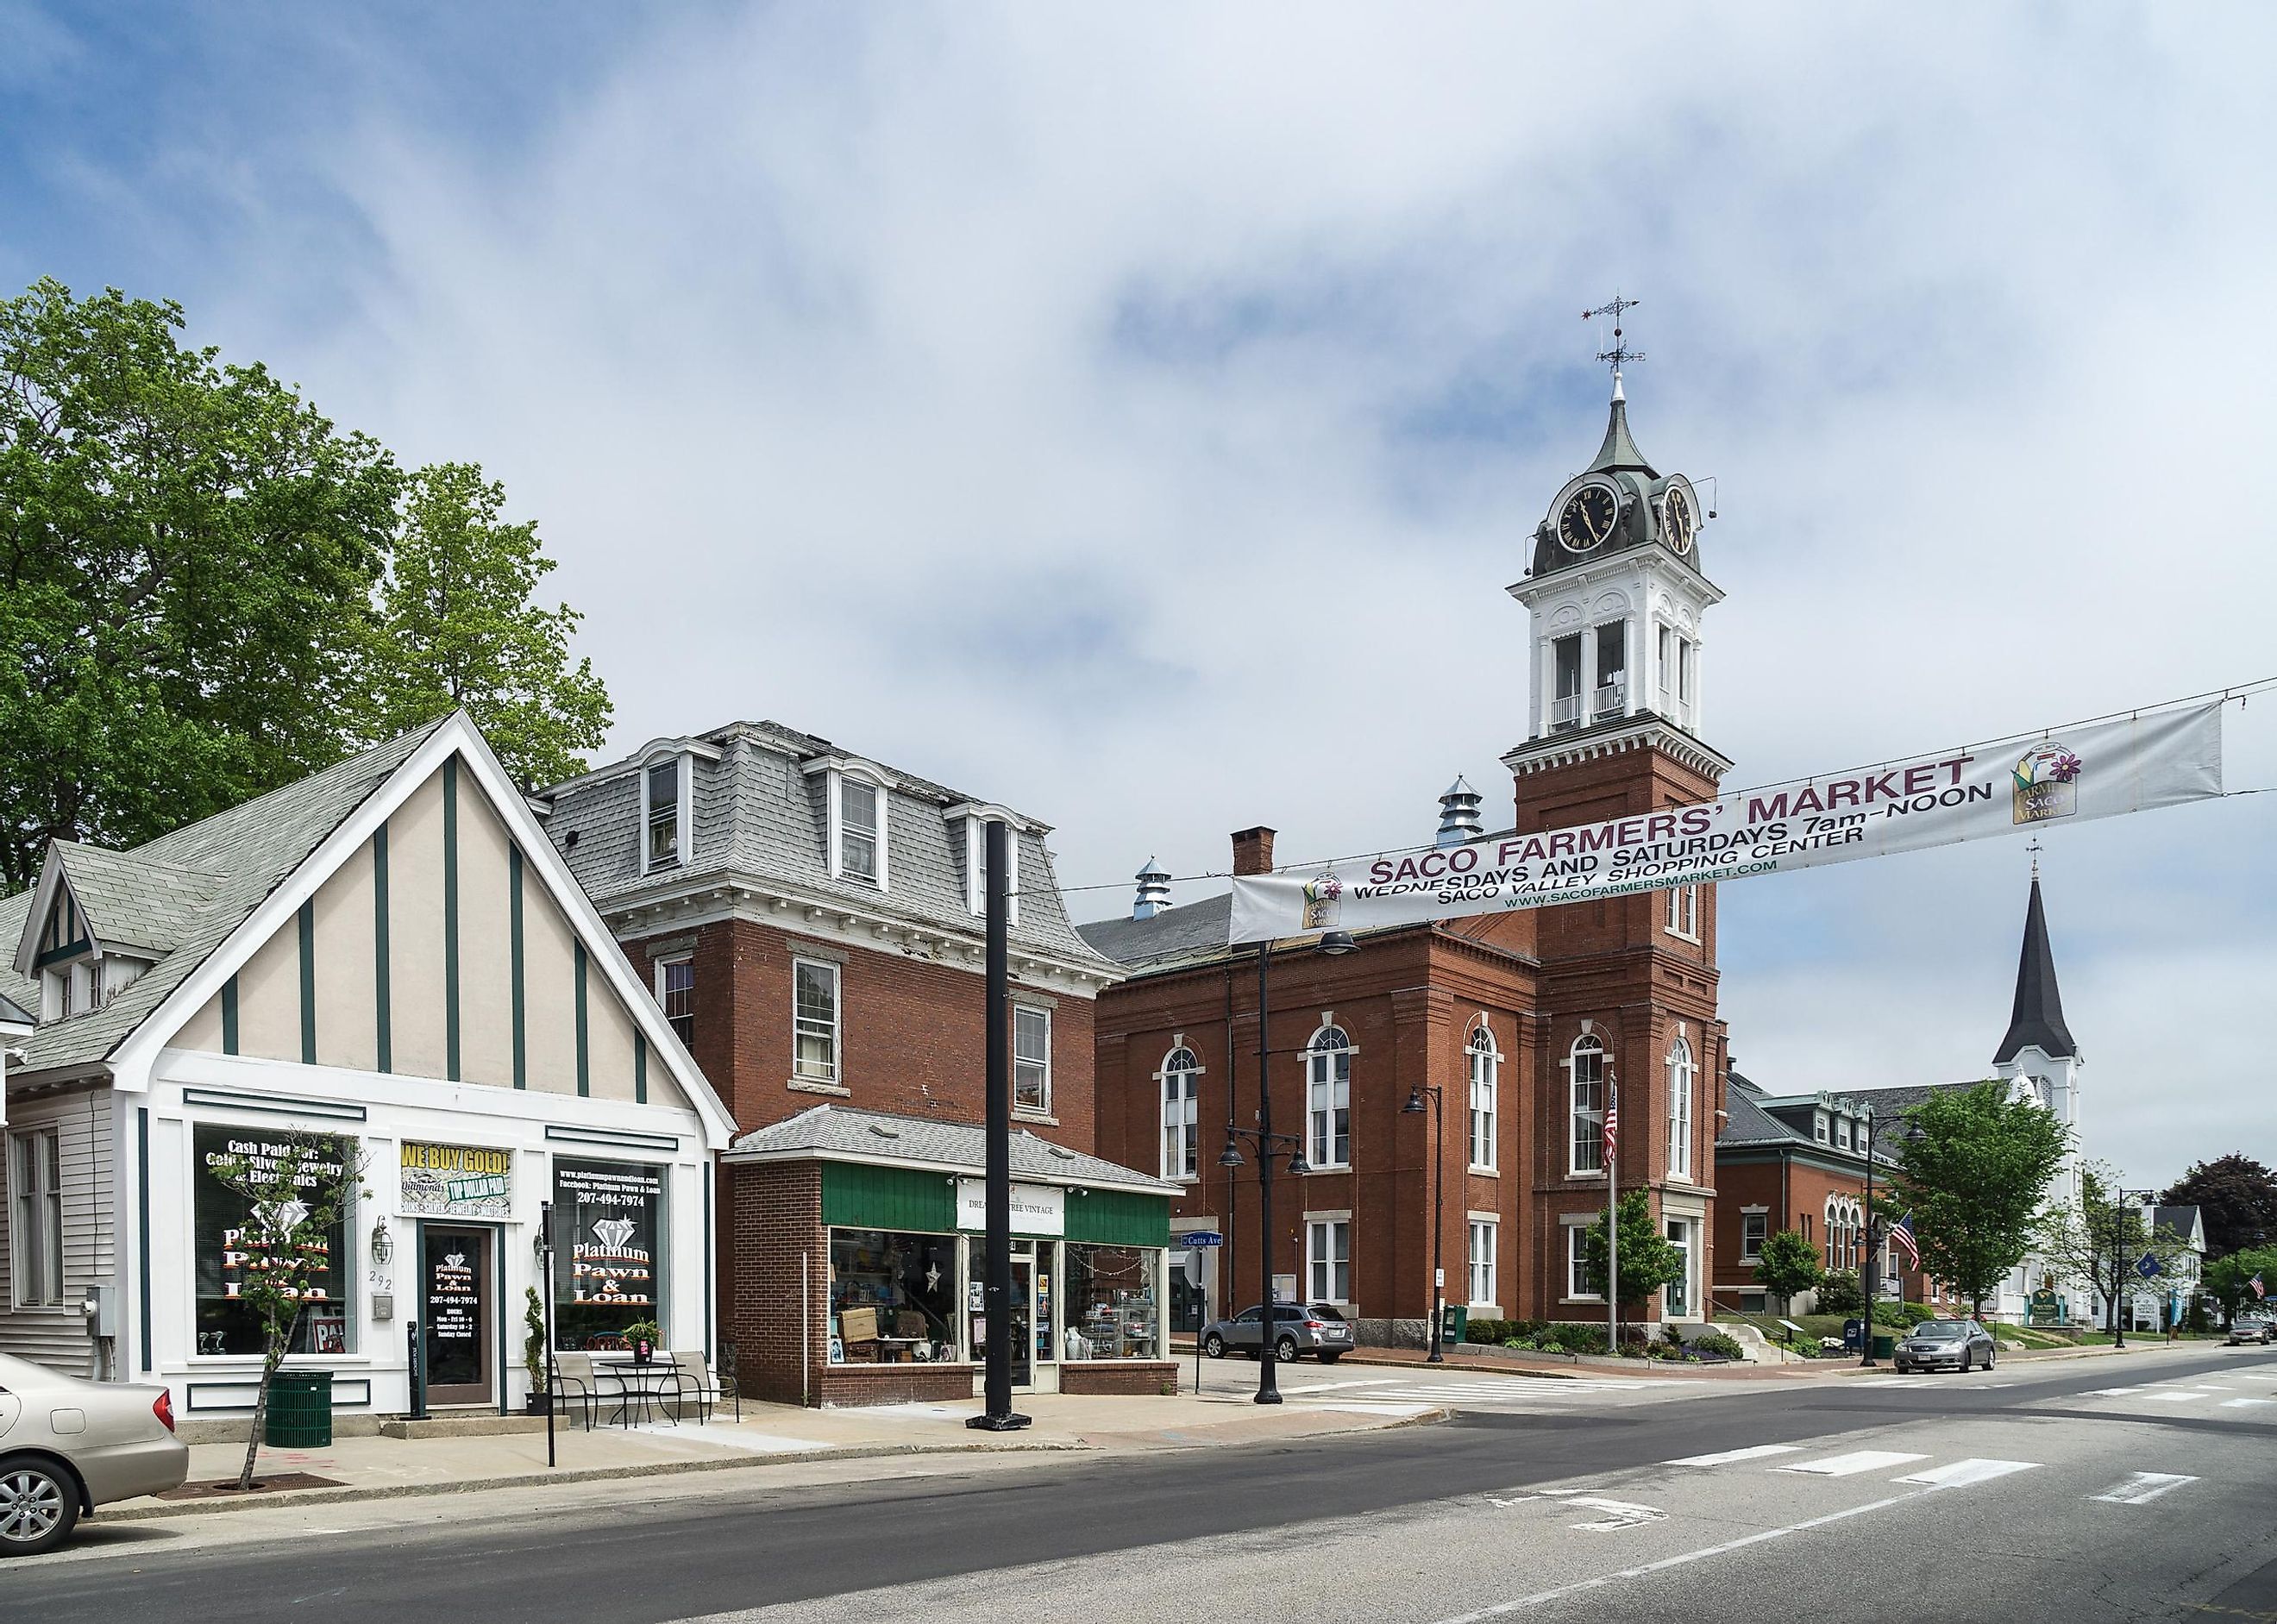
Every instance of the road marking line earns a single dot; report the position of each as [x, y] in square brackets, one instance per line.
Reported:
[1851, 1465]
[2175, 1397]
[1618, 1514]
[2239, 1404]
[1753, 1452]
[1963, 1473]
[1503, 1609]
[2140, 1488]
[2115, 1392]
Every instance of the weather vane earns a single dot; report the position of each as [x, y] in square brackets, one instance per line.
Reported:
[1619, 356]
[2035, 849]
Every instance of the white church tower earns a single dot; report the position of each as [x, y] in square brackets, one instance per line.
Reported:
[2041, 1062]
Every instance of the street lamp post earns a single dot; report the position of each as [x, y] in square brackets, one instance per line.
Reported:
[1335, 943]
[1871, 1261]
[1415, 1107]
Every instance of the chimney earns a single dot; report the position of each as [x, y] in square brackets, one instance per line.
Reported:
[1252, 850]
[1154, 891]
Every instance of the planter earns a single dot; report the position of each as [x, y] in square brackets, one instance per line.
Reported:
[537, 1403]
[300, 1410]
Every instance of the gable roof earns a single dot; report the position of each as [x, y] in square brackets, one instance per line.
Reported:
[837, 1134]
[757, 812]
[237, 857]
[13, 1014]
[2036, 1019]
[2183, 1221]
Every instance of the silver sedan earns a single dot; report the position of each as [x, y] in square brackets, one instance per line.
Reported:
[68, 1445]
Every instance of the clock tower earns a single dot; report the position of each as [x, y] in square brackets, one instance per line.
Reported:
[1616, 594]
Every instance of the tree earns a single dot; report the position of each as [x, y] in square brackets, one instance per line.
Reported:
[1973, 1165]
[1789, 1266]
[2236, 1196]
[456, 627]
[1648, 1259]
[186, 555]
[2229, 1280]
[297, 1188]
[2102, 1240]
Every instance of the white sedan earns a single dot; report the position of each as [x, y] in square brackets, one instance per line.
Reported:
[68, 1445]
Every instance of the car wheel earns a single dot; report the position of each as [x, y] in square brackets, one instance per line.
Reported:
[39, 1504]
[1214, 1345]
[1966, 1357]
[1285, 1349]
[1988, 1359]
[1329, 1359]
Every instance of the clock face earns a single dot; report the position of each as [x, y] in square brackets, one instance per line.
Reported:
[1587, 518]
[1677, 521]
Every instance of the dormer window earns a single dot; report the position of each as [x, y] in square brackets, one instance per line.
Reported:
[857, 830]
[1819, 1130]
[667, 786]
[976, 820]
[858, 812]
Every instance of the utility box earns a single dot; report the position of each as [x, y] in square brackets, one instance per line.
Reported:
[1454, 1324]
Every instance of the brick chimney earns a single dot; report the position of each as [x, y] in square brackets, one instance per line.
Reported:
[1252, 850]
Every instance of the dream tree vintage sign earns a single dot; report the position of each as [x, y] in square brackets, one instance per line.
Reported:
[2096, 770]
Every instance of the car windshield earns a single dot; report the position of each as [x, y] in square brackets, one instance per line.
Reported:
[1940, 1330]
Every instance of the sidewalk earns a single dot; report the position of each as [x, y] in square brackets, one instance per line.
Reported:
[364, 1468]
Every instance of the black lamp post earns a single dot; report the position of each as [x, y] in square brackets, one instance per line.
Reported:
[2119, 1293]
[1870, 1262]
[1335, 943]
[1415, 1107]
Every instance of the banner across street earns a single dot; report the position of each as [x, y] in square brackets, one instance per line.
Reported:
[2058, 775]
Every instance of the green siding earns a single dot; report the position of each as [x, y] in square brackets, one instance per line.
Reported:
[521, 998]
[229, 1016]
[585, 1043]
[450, 917]
[382, 991]
[308, 982]
[1118, 1218]
[887, 1198]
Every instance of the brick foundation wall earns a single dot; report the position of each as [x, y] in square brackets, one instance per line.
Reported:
[774, 1219]
[1122, 1378]
[899, 1384]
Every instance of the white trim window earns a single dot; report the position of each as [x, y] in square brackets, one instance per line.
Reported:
[1754, 1229]
[1328, 1100]
[1585, 1110]
[1482, 1263]
[1577, 1264]
[36, 1180]
[1327, 1260]
[1681, 1071]
[1181, 1077]
[1684, 911]
[1486, 1072]
[675, 995]
[1676, 1296]
[1032, 1059]
[814, 1021]
[664, 794]
[861, 829]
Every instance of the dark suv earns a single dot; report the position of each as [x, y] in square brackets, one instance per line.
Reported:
[1313, 1328]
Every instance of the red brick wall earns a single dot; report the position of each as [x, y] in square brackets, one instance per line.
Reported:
[774, 1219]
[904, 1384]
[1123, 1377]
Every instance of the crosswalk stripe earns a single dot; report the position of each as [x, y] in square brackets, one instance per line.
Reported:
[2115, 1392]
[1963, 1473]
[2239, 1404]
[2176, 1397]
[2140, 1488]
[1753, 1452]
[1851, 1465]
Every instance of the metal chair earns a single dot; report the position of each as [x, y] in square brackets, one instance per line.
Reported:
[576, 1381]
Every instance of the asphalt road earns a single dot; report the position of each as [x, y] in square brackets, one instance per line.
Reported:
[2082, 1490]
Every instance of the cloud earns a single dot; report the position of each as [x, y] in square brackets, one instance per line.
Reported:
[1136, 418]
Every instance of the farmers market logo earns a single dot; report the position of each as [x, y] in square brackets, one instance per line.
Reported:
[2047, 782]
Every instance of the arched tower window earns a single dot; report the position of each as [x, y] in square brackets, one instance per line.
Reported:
[1681, 1075]
[1586, 1107]
[1181, 1076]
[1327, 1103]
[1486, 1080]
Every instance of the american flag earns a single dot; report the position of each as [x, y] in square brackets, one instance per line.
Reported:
[1901, 1236]
[1612, 1118]
[2258, 1289]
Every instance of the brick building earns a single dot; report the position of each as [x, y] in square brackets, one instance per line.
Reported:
[811, 923]
[1519, 1020]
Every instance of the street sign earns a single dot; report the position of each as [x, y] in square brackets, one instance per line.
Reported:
[1201, 1238]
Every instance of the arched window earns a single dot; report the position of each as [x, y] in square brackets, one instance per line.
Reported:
[1327, 1103]
[1181, 1075]
[1586, 1109]
[1681, 1072]
[1486, 1076]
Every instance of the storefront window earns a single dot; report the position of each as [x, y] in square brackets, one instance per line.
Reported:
[226, 1250]
[1112, 1311]
[892, 1296]
[608, 1251]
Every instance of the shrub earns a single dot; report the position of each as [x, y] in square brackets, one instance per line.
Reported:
[1717, 1343]
[1838, 1294]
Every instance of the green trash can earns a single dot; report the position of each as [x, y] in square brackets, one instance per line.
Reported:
[1454, 1324]
[300, 1410]
[1886, 1347]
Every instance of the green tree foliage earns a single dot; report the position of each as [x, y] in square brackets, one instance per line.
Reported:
[1973, 1166]
[297, 1196]
[2236, 1196]
[1789, 1267]
[1840, 1292]
[1648, 1260]
[2229, 1280]
[2101, 1239]
[187, 549]
[456, 627]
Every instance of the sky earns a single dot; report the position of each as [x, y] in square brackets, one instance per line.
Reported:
[1136, 415]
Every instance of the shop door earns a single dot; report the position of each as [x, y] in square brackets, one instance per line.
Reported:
[457, 1314]
[1024, 1371]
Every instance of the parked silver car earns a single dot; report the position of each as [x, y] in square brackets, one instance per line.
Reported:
[69, 1445]
[1313, 1328]
[1946, 1344]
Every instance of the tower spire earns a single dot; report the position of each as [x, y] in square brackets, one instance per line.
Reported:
[1619, 450]
[2036, 1019]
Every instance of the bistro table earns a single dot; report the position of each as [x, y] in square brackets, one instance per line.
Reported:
[644, 1384]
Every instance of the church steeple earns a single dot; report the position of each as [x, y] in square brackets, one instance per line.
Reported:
[2037, 1019]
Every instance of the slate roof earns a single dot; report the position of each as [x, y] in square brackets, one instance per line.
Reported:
[2183, 1221]
[13, 1014]
[1196, 930]
[132, 900]
[834, 1132]
[2037, 1017]
[757, 814]
[244, 853]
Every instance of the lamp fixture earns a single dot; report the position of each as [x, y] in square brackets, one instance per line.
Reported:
[1337, 943]
[1230, 1156]
[382, 1244]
